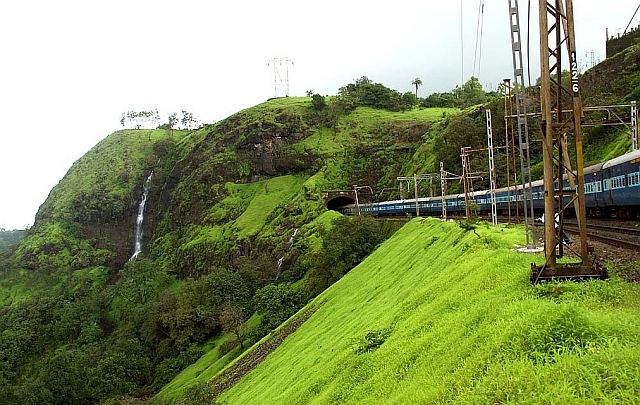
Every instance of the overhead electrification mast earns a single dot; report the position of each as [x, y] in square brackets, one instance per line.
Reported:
[557, 36]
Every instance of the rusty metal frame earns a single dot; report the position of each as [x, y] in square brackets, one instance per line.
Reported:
[556, 34]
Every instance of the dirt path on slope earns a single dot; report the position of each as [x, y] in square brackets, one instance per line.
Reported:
[230, 376]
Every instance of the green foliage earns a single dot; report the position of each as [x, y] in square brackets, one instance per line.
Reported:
[439, 100]
[276, 303]
[9, 238]
[82, 325]
[466, 328]
[192, 315]
[172, 366]
[371, 342]
[470, 94]
[374, 95]
[344, 245]
[468, 225]
[567, 329]
[317, 102]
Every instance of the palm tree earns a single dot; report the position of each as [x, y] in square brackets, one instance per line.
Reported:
[417, 82]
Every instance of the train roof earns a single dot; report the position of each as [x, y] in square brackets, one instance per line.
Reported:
[622, 159]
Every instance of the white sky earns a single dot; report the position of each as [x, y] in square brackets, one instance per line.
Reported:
[68, 69]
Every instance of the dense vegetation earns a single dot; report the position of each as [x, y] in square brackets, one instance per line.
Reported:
[221, 267]
[237, 238]
[9, 238]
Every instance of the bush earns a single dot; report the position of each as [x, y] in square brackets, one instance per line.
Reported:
[226, 347]
[371, 341]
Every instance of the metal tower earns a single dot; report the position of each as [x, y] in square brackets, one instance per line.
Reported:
[280, 75]
[556, 33]
[523, 126]
[492, 170]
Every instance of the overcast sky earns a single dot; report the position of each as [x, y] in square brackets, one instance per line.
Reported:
[69, 69]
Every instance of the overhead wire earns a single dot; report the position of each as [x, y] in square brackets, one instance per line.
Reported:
[475, 51]
[461, 47]
[481, 31]
[634, 16]
[529, 42]
[477, 55]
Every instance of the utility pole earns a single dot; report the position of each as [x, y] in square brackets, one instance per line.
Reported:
[355, 190]
[510, 143]
[444, 176]
[416, 179]
[466, 179]
[492, 171]
[523, 126]
[634, 124]
[556, 32]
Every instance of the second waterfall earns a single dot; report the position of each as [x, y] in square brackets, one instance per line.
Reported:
[140, 219]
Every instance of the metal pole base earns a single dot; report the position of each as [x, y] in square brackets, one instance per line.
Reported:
[567, 271]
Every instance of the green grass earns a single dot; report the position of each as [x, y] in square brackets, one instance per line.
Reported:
[325, 141]
[267, 195]
[416, 114]
[605, 146]
[126, 153]
[18, 285]
[439, 315]
[205, 368]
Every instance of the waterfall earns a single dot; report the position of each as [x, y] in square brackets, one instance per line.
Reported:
[291, 239]
[140, 219]
[281, 258]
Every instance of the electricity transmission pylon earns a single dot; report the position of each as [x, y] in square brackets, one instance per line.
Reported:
[280, 75]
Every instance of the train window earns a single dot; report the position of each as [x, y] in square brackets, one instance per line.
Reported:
[588, 188]
[607, 184]
[634, 179]
[617, 182]
[598, 186]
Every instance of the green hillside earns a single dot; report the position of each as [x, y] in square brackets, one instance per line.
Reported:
[439, 314]
[237, 239]
[220, 267]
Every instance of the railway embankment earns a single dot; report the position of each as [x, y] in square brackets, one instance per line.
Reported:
[445, 313]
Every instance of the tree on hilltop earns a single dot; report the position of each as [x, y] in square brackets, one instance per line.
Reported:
[416, 82]
[140, 119]
[317, 102]
[471, 93]
[189, 121]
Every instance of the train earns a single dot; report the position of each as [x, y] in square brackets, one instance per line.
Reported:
[612, 190]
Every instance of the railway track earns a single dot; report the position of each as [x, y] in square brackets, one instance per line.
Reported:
[607, 234]
[607, 239]
[608, 228]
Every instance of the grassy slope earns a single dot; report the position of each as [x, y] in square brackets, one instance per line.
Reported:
[98, 191]
[213, 361]
[205, 368]
[465, 327]
[117, 164]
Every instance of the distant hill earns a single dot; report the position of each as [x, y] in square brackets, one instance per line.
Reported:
[10, 238]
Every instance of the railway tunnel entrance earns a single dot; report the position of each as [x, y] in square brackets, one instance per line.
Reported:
[335, 199]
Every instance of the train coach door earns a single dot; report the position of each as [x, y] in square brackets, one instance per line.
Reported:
[606, 188]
